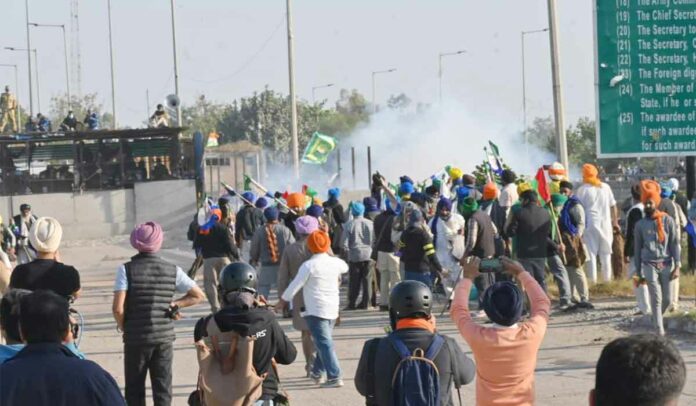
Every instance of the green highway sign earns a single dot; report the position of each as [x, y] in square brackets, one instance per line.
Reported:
[645, 70]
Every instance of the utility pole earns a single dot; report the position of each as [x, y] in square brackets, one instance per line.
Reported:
[31, 97]
[147, 101]
[113, 81]
[561, 144]
[176, 69]
[293, 100]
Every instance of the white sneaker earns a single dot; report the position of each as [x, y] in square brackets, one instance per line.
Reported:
[318, 379]
[333, 383]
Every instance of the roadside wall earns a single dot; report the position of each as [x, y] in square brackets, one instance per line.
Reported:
[102, 214]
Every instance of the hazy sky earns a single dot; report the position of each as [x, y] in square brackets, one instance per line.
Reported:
[229, 48]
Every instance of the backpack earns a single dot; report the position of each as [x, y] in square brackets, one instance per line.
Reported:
[226, 374]
[416, 379]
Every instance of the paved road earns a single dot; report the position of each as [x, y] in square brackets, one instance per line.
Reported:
[564, 375]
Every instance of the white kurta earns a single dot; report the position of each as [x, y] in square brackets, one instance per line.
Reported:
[597, 202]
[446, 231]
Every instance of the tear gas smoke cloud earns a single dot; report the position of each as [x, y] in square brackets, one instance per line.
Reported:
[418, 144]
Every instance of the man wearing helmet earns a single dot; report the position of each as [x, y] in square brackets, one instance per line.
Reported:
[410, 306]
[243, 313]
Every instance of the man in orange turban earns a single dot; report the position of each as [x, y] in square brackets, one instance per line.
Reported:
[598, 201]
[319, 278]
[657, 255]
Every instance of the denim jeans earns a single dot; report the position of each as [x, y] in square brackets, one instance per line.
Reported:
[264, 403]
[560, 276]
[326, 359]
[535, 266]
[420, 277]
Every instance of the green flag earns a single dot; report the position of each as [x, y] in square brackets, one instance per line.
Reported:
[494, 149]
[318, 149]
[247, 182]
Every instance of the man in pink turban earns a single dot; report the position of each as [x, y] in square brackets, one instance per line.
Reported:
[146, 286]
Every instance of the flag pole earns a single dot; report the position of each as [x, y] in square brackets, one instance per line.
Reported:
[233, 192]
[264, 190]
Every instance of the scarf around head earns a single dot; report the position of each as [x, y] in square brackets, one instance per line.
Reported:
[650, 190]
[590, 175]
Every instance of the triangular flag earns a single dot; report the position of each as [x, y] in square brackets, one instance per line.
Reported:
[494, 149]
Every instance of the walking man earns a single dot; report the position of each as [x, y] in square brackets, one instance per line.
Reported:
[448, 236]
[657, 251]
[387, 262]
[144, 310]
[249, 219]
[319, 278]
[531, 224]
[358, 237]
[267, 247]
[218, 250]
[293, 257]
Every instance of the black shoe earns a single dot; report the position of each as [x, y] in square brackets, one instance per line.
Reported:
[585, 305]
[384, 308]
[362, 307]
[349, 308]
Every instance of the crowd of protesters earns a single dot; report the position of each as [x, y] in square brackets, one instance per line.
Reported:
[459, 237]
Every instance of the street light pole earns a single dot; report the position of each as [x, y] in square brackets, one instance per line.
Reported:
[561, 144]
[36, 58]
[524, 88]
[318, 87]
[439, 69]
[176, 67]
[374, 101]
[31, 97]
[111, 60]
[293, 100]
[65, 48]
[19, 116]
[38, 88]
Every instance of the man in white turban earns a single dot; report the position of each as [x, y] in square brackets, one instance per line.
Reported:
[46, 271]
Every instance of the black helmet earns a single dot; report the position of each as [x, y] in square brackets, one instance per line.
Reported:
[238, 276]
[24, 206]
[410, 299]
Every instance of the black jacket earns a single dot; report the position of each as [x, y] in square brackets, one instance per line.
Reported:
[271, 342]
[531, 225]
[417, 251]
[217, 243]
[248, 219]
[460, 370]
[634, 216]
[49, 374]
[383, 225]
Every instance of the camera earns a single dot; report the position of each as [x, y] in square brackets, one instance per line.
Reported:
[491, 265]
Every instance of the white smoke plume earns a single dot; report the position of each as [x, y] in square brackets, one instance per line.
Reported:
[421, 144]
